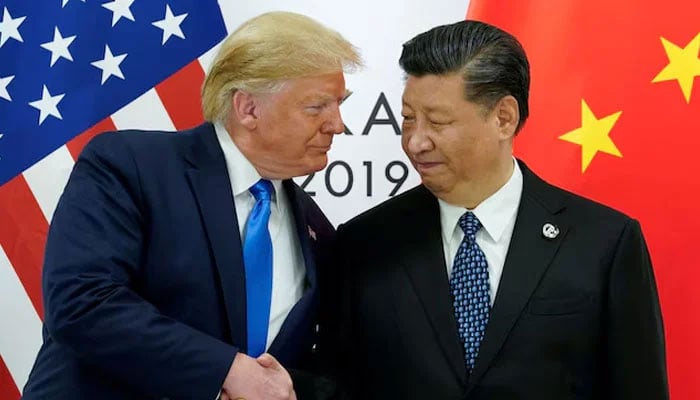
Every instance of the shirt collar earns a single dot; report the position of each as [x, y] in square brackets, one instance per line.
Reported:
[494, 213]
[241, 171]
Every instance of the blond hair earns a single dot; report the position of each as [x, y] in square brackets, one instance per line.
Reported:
[266, 51]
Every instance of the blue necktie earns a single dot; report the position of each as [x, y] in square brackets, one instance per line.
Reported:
[257, 258]
[470, 290]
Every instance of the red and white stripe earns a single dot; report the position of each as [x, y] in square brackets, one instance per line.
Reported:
[29, 200]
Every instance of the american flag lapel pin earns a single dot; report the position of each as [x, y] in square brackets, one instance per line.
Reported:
[312, 234]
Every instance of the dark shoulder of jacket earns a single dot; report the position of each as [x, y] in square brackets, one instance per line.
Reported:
[389, 209]
[582, 209]
[151, 145]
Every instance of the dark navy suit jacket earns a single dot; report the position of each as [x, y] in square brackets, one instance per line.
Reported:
[576, 315]
[143, 278]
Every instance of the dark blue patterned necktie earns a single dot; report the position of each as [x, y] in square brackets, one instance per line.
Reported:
[470, 289]
[257, 259]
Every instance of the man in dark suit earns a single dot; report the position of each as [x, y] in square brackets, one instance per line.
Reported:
[485, 282]
[187, 265]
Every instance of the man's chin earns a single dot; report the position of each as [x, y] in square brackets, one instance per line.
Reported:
[320, 162]
[432, 184]
[314, 165]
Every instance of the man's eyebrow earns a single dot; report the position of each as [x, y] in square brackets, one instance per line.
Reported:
[437, 109]
[326, 97]
[440, 109]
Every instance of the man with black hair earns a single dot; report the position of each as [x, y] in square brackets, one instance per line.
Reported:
[485, 282]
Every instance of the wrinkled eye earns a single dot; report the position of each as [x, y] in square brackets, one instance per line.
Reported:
[315, 108]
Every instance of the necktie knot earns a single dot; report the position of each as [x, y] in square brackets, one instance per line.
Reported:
[262, 190]
[470, 224]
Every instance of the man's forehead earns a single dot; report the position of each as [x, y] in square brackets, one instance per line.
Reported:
[319, 94]
[433, 93]
[435, 104]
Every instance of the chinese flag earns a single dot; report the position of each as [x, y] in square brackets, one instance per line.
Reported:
[615, 117]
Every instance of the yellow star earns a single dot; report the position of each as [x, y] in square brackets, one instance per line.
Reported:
[683, 65]
[593, 135]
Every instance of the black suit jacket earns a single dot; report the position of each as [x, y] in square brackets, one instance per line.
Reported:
[144, 280]
[575, 317]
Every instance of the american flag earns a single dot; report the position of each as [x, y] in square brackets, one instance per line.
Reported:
[70, 69]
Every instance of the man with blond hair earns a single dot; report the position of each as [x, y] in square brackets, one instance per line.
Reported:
[187, 265]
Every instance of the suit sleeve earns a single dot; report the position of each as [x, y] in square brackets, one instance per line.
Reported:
[636, 354]
[92, 260]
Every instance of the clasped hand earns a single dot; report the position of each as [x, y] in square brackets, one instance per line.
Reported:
[262, 378]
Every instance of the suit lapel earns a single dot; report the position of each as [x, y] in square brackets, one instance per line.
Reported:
[529, 256]
[211, 186]
[300, 315]
[424, 262]
[303, 228]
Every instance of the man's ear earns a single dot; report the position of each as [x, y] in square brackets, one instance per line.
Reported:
[245, 107]
[507, 116]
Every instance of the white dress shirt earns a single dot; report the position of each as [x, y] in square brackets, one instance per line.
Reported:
[497, 215]
[288, 269]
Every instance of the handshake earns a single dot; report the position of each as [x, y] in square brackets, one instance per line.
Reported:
[257, 378]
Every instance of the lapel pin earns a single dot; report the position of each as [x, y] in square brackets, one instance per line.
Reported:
[550, 231]
[312, 234]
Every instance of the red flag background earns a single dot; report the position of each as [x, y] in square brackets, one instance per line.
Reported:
[615, 116]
